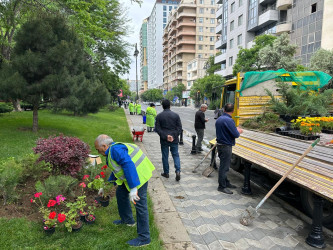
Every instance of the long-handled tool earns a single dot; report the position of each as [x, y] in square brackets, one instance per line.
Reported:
[251, 213]
[195, 169]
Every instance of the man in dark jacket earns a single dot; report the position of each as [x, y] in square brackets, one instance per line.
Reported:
[200, 125]
[226, 132]
[168, 126]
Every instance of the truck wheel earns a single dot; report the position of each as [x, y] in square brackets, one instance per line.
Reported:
[307, 204]
[236, 163]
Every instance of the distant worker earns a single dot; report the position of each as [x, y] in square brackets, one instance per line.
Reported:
[131, 108]
[169, 127]
[134, 108]
[138, 109]
[226, 132]
[200, 125]
[150, 117]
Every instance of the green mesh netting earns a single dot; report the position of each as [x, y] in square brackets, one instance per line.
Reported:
[313, 80]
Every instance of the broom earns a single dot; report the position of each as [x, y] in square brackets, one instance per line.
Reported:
[251, 213]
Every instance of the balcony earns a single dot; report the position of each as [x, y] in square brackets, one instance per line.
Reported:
[283, 4]
[266, 17]
[185, 51]
[186, 5]
[218, 29]
[178, 68]
[283, 27]
[181, 24]
[179, 59]
[186, 14]
[220, 44]
[185, 33]
[219, 13]
[165, 41]
[220, 58]
[185, 41]
[219, 1]
[222, 72]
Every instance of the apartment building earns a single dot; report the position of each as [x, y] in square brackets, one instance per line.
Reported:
[143, 56]
[240, 21]
[155, 25]
[189, 34]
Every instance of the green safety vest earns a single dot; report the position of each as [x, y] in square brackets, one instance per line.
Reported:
[144, 166]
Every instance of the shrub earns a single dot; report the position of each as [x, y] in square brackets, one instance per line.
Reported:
[214, 104]
[55, 185]
[10, 175]
[5, 108]
[265, 122]
[67, 155]
[113, 107]
[32, 168]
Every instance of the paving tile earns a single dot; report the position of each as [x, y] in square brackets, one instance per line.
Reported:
[200, 246]
[242, 244]
[209, 238]
[228, 245]
[197, 239]
[215, 245]
[198, 222]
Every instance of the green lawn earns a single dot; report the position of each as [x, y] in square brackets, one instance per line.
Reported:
[17, 140]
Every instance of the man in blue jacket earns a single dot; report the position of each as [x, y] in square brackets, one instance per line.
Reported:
[131, 170]
[226, 132]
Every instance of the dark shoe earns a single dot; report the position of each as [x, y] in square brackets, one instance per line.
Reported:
[177, 176]
[224, 190]
[200, 149]
[138, 243]
[165, 175]
[119, 222]
[231, 186]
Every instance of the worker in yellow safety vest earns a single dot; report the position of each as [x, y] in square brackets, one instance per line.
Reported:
[131, 108]
[131, 170]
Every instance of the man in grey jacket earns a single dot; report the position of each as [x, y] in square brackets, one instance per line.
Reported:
[168, 126]
[200, 125]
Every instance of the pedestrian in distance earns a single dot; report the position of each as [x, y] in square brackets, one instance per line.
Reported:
[226, 132]
[168, 126]
[131, 170]
[135, 104]
[131, 108]
[138, 109]
[150, 117]
[200, 125]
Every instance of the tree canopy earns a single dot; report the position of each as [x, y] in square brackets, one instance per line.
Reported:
[152, 95]
[211, 66]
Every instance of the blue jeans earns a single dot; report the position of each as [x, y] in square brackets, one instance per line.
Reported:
[165, 156]
[125, 211]
[224, 152]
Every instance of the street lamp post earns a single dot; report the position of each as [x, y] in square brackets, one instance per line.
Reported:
[136, 53]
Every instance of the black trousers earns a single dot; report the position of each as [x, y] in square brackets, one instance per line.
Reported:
[224, 152]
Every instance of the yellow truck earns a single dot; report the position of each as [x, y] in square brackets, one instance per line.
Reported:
[276, 153]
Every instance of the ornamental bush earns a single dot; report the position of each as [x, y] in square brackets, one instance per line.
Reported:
[67, 155]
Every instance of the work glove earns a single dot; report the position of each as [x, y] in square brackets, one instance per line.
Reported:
[101, 192]
[133, 195]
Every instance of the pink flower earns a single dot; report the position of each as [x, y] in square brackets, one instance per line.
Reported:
[97, 176]
[60, 199]
[32, 200]
[85, 177]
[38, 194]
[82, 184]
[51, 203]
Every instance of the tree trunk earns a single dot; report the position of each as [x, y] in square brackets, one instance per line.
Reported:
[35, 118]
[16, 105]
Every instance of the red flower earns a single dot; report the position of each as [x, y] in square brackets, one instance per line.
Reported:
[38, 194]
[104, 167]
[102, 173]
[61, 218]
[97, 176]
[51, 203]
[82, 184]
[52, 215]
[31, 200]
[85, 177]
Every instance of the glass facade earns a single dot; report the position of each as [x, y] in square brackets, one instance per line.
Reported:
[253, 14]
[225, 20]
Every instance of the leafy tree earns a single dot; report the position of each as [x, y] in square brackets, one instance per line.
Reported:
[178, 90]
[280, 54]
[211, 66]
[48, 57]
[248, 59]
[322, 60]
[169, 95]
[152, 95]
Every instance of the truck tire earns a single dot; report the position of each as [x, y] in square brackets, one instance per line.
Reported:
[307, 204]
[235, 163]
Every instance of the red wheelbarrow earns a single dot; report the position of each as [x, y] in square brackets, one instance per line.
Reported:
[138, 133]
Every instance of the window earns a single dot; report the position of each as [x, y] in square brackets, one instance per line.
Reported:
[164, 24]
[201, 10]
[212, 47]
[212, 20]
[201, 19]
[232, 25]
[239, 39]
[164, 20]
[202, 1]
[212, 11]
[240, 20]
[164, 14]
[212, 2]
[200, 29]
[175, 7]
[314, 8]
[211, 29]
[200, 47]
[232, 9]
[230, 61]
[200, 38]
[231, 43]
[252, 17]
[164, 8]
[199, 55]
[188, 84]
[240, 3]
[211, 39]
[170, 8]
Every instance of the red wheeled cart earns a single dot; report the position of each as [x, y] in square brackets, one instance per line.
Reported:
[138, 134]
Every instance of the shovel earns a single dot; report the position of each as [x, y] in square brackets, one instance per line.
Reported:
[251, 213]
[195, 169]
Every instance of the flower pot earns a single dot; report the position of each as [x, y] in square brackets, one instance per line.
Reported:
[77, 227]
[82, 216]
[327, 131]
[104, 201]
[97, 199]
[49, 231]
[90, 220]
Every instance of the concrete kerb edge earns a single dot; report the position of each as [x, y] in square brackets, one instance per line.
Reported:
[188, 244]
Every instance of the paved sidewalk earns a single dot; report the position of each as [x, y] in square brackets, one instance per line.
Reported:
[211, 218]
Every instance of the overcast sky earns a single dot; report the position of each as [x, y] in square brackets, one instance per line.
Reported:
[136, 15]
